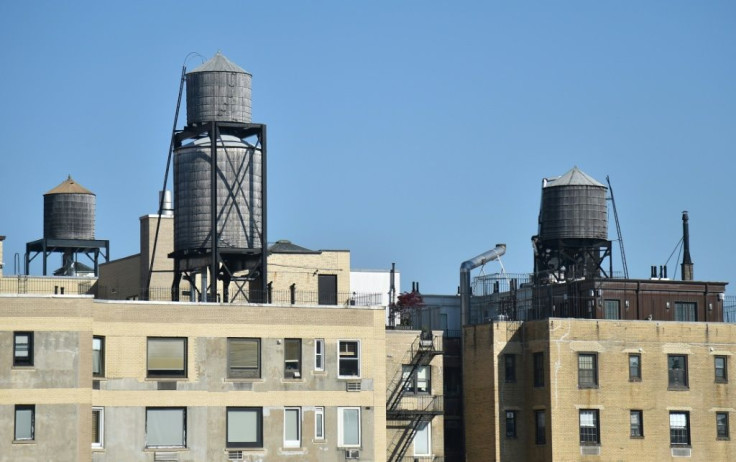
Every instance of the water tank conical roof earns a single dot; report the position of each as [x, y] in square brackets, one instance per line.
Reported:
[573, 207]
[69, 212]
[218, 91]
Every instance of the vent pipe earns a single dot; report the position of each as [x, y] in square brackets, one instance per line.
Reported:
[465, 269]
[687, 262]
[167, 204]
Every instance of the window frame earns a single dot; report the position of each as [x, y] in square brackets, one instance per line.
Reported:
[723, 432]
[686, 430]
[319, 354]
[167, 373]
[243, 372]
[101, 353]
[673, 384]
[723, 376]
[341, 427]
[32, 428]
[590, 437]
[636, 430]
[428, 428]
[635, 371]
[28, 360]
[538, 369]
[510, 423]
[509, 368]
[319, 423]
[411, 386]
[340, 358]
[290, 372]
[258, 443]
[540, 427]
[589, 379]
[297, 443]
[612, 304]
[100, 427]
[183, 429]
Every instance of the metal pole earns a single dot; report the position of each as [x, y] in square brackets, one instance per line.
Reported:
[264, 209]
[214, 135]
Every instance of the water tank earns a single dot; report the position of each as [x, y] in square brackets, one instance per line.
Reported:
[69, 212]
[573, 207]
[218, 91]
[239, 195]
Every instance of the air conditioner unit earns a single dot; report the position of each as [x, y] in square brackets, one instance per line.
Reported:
[681, 452]
[165, 456]
[353, 386]
[234, 455]
[352, 453]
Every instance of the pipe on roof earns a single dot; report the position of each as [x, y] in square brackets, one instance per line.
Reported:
[465, 269]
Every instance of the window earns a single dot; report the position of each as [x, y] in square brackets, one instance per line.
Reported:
[348, 427]
[589, 430]
[292, 358]
[98, 356]
[319, 423]
[511, 424]
[292, 427]
[509, 362]
[98, 427]
[319, 354]
[612, 309]
[722, 426]
[166, 427]
[587, 370]
[685, 311]
[419, 381]
[423, 440]
[679, 428]
[721, 370]
[327, 289]
[538, 369]
[244, 427]
[23, 349]
[244, 358]
[25, 422]
[677, 371]
[167, 357]
[349, 358]
[636, 429]
[634, 367]
[540, 436]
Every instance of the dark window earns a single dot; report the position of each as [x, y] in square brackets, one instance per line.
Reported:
[680, 428]
[637, 424]
[685, 311]
[25, 422]
[98, 356]
[166, 427]
[509, 362]
[244, 358]
[721, 369]
[292, 358]
[511, 424]
[589, 429]
[634, 367]
[348, 358]
[23, 349]
[538, 369]
[98, 427]
[587, 370]
[244, 427]
[327, 289]
[540, 434]
[677, 371]
[419, 382]
[612, 309]
[722, 426]
[167, 357]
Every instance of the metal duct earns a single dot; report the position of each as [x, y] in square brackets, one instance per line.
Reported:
[465, 269]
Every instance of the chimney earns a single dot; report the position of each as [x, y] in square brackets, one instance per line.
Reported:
[687, 262]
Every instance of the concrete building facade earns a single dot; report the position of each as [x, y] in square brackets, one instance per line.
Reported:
[581, 389]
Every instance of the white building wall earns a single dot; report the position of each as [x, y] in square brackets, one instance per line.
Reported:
[367, 281]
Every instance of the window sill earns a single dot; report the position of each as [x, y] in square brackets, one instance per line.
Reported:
[288, 380]
[260, 449]
[348, 377]
[723, 438]
[243, 380]
[587, 387]
[637, 437]
[721, 381]
[20, 367]
[24, 441]
[635, 379]
[678, 388]
[98, 449]
[597, 444]
[166, 379]
[166, 449]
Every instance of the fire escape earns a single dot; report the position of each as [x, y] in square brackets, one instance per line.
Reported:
[408, 411]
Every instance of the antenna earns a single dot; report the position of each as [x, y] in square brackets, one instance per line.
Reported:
[618, 231]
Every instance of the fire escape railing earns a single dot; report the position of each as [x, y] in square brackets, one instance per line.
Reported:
[410, 409]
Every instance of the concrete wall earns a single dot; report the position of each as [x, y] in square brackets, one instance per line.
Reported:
[60, 382]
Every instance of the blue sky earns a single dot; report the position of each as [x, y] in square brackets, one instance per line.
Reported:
[408, 132]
